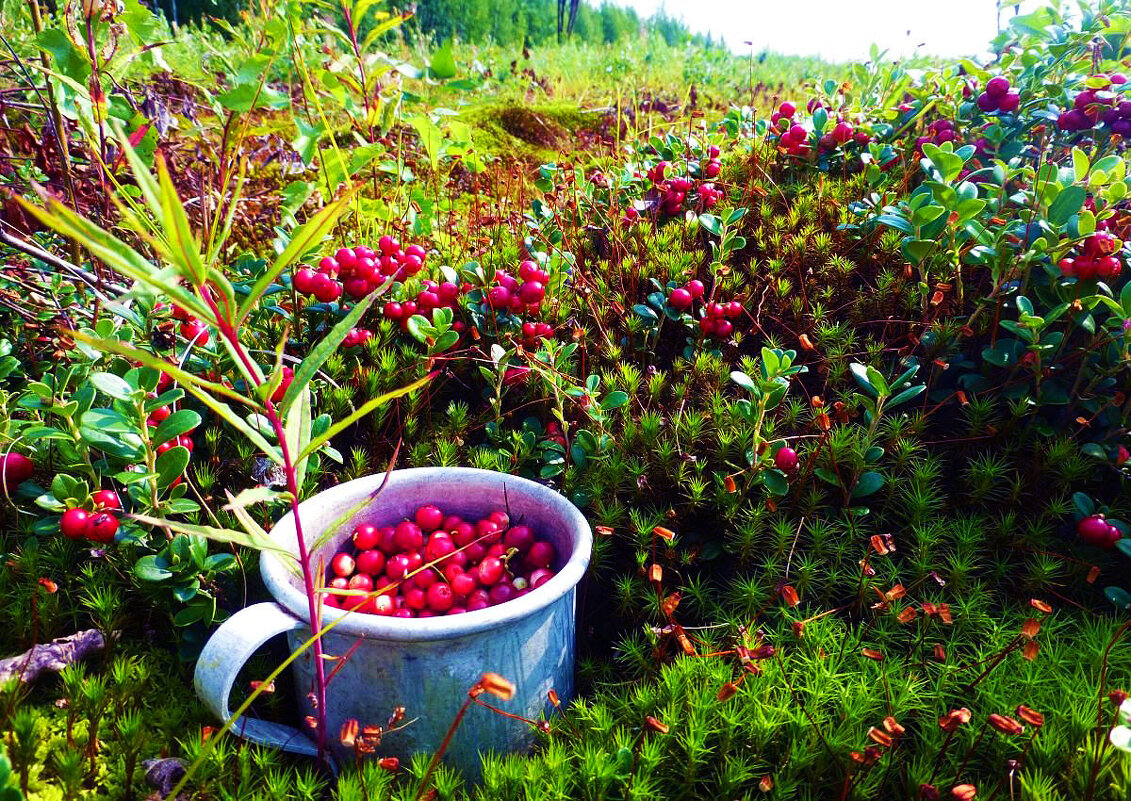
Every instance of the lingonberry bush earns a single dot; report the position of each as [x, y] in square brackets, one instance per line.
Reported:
[837, 368]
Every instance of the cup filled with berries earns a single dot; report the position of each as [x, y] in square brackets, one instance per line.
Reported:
[430, 578]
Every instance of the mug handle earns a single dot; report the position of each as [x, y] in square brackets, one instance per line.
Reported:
[226, 651]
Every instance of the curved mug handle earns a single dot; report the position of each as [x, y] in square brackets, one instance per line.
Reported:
[226, 651]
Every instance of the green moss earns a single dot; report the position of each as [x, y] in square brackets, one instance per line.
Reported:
[535, 134]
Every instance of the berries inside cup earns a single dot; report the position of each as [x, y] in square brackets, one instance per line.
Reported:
[437, 564]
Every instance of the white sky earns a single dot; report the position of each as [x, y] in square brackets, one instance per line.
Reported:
[842, 30]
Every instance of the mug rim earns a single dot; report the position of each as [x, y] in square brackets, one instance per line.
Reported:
[276, 575]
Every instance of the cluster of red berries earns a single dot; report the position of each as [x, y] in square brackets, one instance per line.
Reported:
[714, 322]
[841, 134]
[358, 270]
[99, 525]
[15, 469]
[507, 294]
[191, 328]
[938, 131]
[1095, 530]
[682, 298]
[711, 166]
[1098, 106]
[1098, 259]
[431, 296]
[158, 415]
[437, 564]
[355, 337]
[998, 97]
[533, 333]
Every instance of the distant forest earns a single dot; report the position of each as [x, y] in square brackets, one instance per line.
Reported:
[504, 22]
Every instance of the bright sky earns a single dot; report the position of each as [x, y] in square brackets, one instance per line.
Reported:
[842, 30]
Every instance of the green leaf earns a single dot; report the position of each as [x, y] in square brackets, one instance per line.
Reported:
[1080, 164]
[860, 373]
[743, 380]
[152, 568]
[112, 385]
[298, 430]
[1068, 203]
[895, 221]
[171, 465]
[443, 64]
[868, 484]
[775, 482]
[179, 422]
[246, 96]
[1118, 596]
[906, 395]
[614, 400]
[711, 224]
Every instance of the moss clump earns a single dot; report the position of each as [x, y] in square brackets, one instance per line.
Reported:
[529, 133]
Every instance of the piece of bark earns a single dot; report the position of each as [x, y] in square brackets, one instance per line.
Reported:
[52, 656]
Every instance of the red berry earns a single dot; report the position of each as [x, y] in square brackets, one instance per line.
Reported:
[304, 281]
[1095, 530]
[528, 270]
[429, 517]
[786, 459]
[539, 577]
[520, 537]
[541, 554]
[440, 597]
[408, 536]
[371, 562]
[327, 291]
[102, 527]
[365, 537]
[361, 581]
[463, 584]
[997, 86]
[415, 598]
[195, 331]
[343, 565]
[696, 288]
[15, 469]
[393, 310]
[439, 546]
[74, 524]
[397, 567]
[106, 499]
[490, 571]
[501, 593]
[498, 297]
[532, 292]
[386, 540]
[787, 109]
[680, 299]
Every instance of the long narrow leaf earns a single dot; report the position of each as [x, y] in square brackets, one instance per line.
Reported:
[297, 431]
[175, 372]
[178, 231]
[322, 351]
[361, 411]
[117, 254]
[305, 237]
[226, 535]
